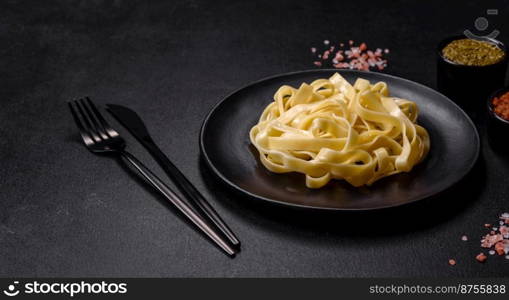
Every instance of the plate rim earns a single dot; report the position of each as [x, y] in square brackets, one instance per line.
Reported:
[322, 208]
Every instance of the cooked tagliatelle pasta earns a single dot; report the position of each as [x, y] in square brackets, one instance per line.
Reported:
[330, 129]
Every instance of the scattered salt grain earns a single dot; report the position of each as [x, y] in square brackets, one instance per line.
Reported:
[452, 262]
[352, 57]
[464, 238]
[497, 240]
[481, 257]
[490, 240]
[318, 63]
[499, 247]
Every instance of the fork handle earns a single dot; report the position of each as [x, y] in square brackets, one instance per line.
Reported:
[188, 189]
[189, 212]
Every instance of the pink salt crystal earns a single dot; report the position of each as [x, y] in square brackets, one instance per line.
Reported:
[489, 240]
[326, 42]
[386, 51]
[325, 55]
[505, 243]
[318, 63]
[338, 56]
[481, 257]
[464, 238]
[505, 217]
[313, 50]
[499, 247]
[350, 42]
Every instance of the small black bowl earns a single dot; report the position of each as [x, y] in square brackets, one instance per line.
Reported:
[498, 127]
[467, 85]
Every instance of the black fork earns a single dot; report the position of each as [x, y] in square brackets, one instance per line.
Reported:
[100, 137]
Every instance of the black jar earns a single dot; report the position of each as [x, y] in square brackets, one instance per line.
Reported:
[466, 85]
[498, 127]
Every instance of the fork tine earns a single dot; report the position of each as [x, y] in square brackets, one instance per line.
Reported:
[86, 120]
[84, 134]
[93, 118]
[107, 128]
[97, 113]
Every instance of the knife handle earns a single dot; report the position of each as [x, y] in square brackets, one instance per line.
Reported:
[188, 189]
[179, 204]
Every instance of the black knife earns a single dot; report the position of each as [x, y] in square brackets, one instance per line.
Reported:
[130, 120]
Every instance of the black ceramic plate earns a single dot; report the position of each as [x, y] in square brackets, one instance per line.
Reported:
[225, 145]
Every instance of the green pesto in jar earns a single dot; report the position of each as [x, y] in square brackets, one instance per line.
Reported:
[473, 52]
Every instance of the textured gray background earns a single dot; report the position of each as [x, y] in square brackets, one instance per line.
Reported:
[66, 212]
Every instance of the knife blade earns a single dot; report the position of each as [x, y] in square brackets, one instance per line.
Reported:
[135, 125]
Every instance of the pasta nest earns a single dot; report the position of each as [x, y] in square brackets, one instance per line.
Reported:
[330, 129]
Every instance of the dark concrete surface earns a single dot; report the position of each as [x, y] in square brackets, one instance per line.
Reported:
[66, 212]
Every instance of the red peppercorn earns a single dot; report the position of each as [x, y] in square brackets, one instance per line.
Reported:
[501, 106]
